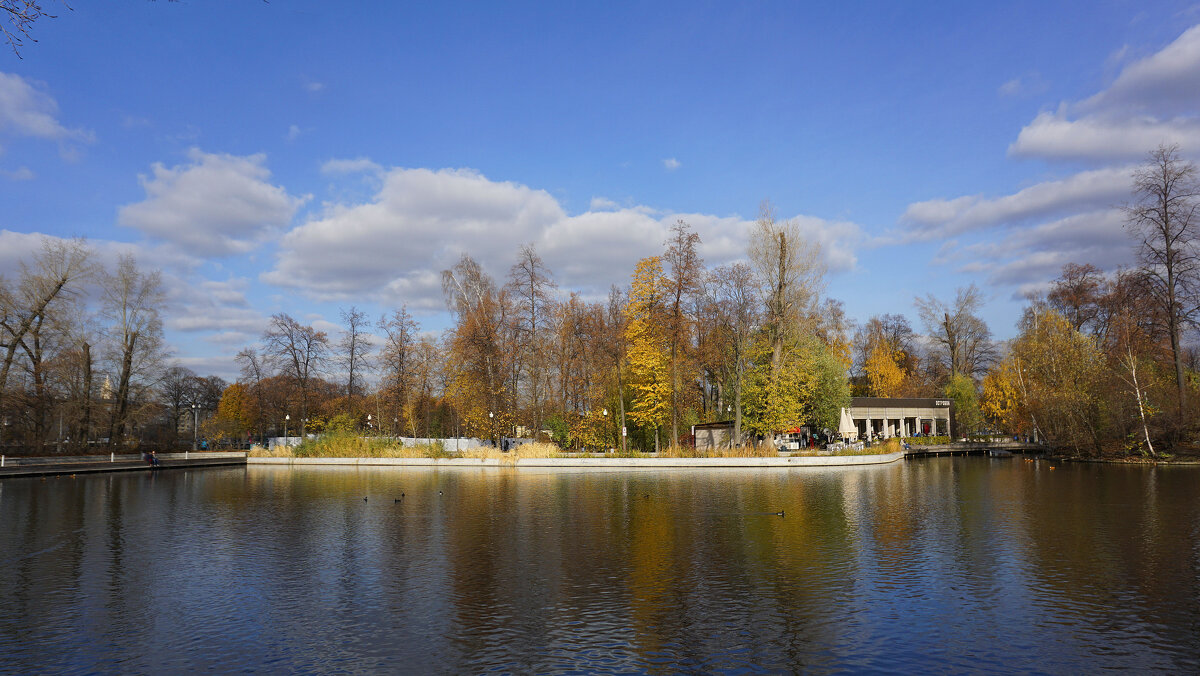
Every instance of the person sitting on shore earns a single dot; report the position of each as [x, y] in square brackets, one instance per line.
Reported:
[154, 459]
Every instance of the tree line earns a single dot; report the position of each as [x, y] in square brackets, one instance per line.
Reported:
[1099, 363]
[83, 352]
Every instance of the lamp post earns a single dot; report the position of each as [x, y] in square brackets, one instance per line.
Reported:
[195, 424]
[286, 418]
[492, 422]
[368, 424]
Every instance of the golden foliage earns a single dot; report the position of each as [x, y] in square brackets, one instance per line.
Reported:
[649, 347]
[885, 377]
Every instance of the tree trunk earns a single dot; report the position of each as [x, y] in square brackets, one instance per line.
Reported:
[116, 427]
[85, 432]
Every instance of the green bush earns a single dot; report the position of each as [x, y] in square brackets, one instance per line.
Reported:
[928, 441]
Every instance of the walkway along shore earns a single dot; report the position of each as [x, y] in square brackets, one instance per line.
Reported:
[639, 463]
[121, 462]
[26, 467]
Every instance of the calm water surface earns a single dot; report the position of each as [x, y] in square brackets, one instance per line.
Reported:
[964, 564]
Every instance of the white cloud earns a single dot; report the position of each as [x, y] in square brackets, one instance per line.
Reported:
[1028, 258]
[313, 87]
[213, 206]
[293, 133]
[1153, 100]
[941, 218]
[20, 174]
[357, 165]
[603, 204]
[27, 111]
[1097, 137]
[671, 164]
[1025, 85]
[393, 248]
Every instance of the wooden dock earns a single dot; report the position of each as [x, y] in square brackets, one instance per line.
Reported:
[972, 448]
[128, 462]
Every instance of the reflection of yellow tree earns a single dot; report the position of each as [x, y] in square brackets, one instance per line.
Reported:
[651, 555]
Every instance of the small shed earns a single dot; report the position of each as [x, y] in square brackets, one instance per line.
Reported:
[713, 435]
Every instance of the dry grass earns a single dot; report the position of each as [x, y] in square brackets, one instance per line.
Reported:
[535, 450]
[353, 446]
[881, 448]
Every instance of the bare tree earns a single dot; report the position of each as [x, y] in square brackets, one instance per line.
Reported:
[354, 350]
[737, 311]
[20, 16]
[790, 277]
[1163, 218]
[399, 360]
[56, 271]
[963, 339]
[131, 303]
[532, 289]
[615, 345]
[1077, 293]
[683, 283]
[178, 386]
[302, 351]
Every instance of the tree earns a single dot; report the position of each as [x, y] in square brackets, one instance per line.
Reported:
[236, 414]
[1163, 219]
[56, 271]
[531, 286]
[302, 351]
[131, 303]
[20, 16]
[737, 312]
[1050, 382]
[1076, 295]
[885, 378]
[790, 275]
[178, 386]
[399, 360]
[480, 362]
[649, 346]
[963, 339]
[961, 391]
[687, 269]
[809, 386]
[354, 350]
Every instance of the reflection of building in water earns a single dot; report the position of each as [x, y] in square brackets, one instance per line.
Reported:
[880, 417]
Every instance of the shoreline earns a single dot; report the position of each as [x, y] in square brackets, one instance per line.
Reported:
[641, 463]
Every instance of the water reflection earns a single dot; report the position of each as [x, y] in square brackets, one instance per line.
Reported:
[967, 563]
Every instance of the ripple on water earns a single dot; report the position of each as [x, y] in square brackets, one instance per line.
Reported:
[962, 565]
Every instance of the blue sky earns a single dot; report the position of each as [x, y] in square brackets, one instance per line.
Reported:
[305, 156]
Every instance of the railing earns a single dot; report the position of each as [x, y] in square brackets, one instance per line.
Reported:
[43, 460]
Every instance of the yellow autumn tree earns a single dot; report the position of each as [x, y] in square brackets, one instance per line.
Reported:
[236, 412]
[648, 346]
[1002, 403]
[885, 377]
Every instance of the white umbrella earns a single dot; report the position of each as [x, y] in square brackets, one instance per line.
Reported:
[846, 427]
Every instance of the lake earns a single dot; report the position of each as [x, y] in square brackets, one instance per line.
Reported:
[957, 564]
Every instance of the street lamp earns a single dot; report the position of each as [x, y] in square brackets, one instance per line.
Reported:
[605, 414]
[195, 424]
[286, 418]
[492, 422]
